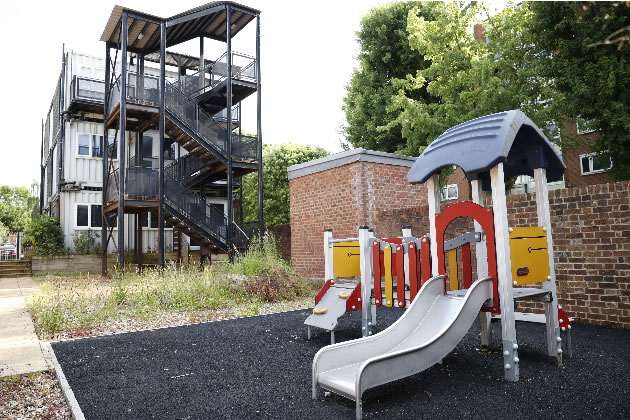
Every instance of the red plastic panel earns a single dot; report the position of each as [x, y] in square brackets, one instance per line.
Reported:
[467, 266]
[323, 290]
[485, 218]
[376, 262]
[425, 258]
[354, 301]
[400, 278]
[413, 271]
[565, 323]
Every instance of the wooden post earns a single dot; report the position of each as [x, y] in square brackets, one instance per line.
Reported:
[433, 190]
[504, 272]
[482, 264]
[554, 346]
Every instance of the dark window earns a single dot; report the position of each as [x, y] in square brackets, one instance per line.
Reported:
[97, 215]
[586, 166]
[144, 218]
[84, 145]
[97, 146]
[169, 149]
[147, 151]
[112, 219]
[114, 154]
[601, 163]
[154, 221]
[82, 215]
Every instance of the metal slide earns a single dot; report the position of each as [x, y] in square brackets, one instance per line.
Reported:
[427, 332]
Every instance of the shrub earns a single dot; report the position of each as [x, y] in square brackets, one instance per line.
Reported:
[46, 236]
[85, 241]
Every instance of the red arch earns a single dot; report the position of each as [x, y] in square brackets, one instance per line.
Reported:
[485, 218]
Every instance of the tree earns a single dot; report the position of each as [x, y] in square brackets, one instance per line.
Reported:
[584, 48]
[469, 78]
[276, 159]
[385, 57]
[45, 235]
[14, 207]
[4, 233]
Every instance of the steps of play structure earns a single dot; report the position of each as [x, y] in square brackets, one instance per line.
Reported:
[427, 332]
[335, 307]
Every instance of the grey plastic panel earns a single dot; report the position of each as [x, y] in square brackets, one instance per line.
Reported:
[336, 307]
[478, 145]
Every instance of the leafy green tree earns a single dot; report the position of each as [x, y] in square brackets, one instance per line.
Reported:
[45, 236]
[469, 78]
[385, 57]
[584, 48]
[14, 207]
[276, 159]
[4, 233]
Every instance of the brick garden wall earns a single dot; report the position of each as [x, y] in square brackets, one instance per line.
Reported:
[282, 235]
[343, 198]
[591, 237]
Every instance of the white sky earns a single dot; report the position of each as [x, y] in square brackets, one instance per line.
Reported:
[308, 52]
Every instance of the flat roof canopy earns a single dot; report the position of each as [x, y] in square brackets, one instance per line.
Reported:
[208, 21]
[480, 144]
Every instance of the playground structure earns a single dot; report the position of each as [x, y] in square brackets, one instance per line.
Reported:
[489, 149]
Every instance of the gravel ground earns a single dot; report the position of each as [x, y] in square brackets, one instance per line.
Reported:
[261, 367]
[32, 396]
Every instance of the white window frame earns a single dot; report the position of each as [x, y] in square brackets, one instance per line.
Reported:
[444, 192]
[585, 123]
[89, 206]
[91, 144]
[148, 226]
[590, 164]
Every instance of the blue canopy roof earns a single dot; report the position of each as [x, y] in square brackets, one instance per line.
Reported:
[480, 144]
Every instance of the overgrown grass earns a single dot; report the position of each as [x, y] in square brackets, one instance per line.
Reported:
[71, 304]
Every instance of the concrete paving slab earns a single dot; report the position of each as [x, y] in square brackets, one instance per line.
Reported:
[20, 349]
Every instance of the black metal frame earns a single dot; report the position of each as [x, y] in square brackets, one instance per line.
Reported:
[165, 204]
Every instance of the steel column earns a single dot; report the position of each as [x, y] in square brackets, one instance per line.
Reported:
[230, 175]
[121, 144]
[41, 172]
[202, 64]
[261, 217]
[161, 152]
[104, 233]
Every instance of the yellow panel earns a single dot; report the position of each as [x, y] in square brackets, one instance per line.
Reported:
[387, 262]
[452, 270]
[528, 250]
[346, 260]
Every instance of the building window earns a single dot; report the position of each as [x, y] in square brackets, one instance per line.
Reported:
[593, 163]
[151, 221]
[91, 145]
[449, 192]
[89, 216]
[583, 126]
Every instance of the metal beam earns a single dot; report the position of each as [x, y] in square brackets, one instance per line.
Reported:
[261, 216]
[161, 152]
[196, 15]
[121, 144]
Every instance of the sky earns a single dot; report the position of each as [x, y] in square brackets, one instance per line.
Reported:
[308, 52]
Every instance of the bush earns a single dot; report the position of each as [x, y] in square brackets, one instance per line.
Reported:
[45, 235]
[85, 241]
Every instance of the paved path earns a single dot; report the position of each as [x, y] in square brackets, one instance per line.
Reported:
[20, 350]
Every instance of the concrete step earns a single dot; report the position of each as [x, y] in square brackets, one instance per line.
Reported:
[15, 262]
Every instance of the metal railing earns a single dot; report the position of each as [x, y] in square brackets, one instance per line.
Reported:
[194, 118]
[112, 191]
[196, 211]
[87, 89]
[244, 67]
[244, 147]
[141, 89]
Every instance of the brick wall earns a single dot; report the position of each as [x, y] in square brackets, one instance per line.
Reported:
[282, 235]
[591, 237]
[344, 198]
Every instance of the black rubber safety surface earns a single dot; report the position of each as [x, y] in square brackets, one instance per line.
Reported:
[260, 367]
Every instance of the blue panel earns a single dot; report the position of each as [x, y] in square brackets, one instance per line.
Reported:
[480, 144]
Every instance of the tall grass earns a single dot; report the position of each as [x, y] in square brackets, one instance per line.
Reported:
[81, 303]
